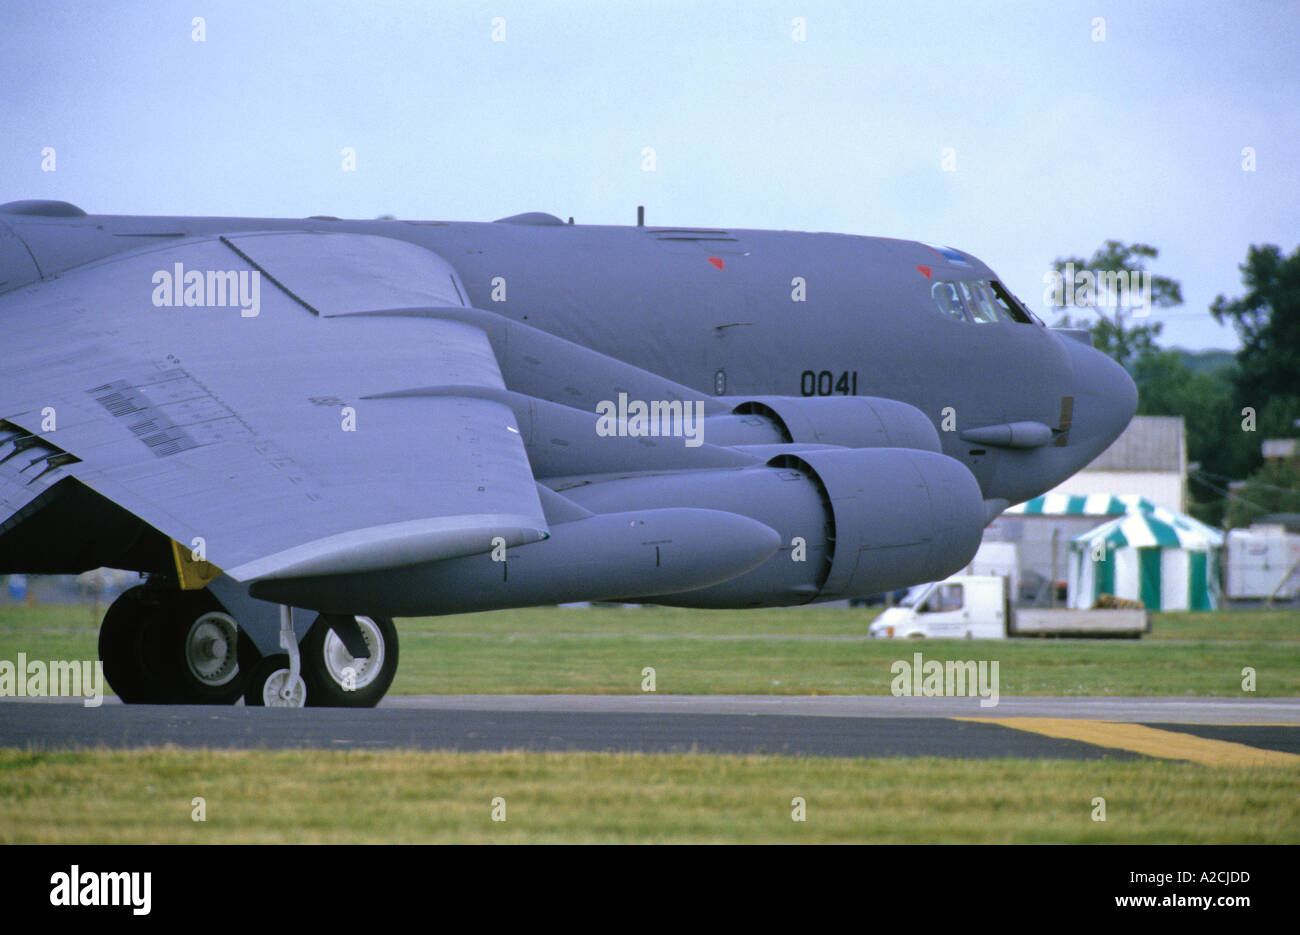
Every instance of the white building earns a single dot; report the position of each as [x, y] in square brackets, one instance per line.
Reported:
[1149, 459]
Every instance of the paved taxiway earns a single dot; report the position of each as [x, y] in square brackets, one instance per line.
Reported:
[1207, 730]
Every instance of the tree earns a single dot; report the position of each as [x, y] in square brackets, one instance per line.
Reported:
[1095, 284]
[1267, 380]
[1167, 386]
[1274, 488]
[1267, 318]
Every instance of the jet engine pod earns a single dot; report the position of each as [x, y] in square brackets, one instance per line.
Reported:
[900, 517]
[851, 521]
[847, 421]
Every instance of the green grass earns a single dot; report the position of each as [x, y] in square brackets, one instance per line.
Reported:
[332, 796]
[783, 651]
[603, 665]
[406, 796]
[1258, 626]
[604, 649]
[47, 631]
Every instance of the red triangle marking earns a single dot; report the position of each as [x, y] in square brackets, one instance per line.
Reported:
[925, 271]
[716, 261]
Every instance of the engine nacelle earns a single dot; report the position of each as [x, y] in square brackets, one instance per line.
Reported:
[900, 517]
[847, 421]
[852, 522]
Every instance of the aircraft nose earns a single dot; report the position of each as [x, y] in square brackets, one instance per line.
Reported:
[1098, 399]
[1105, 398]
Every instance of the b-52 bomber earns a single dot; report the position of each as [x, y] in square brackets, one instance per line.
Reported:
[298, 430]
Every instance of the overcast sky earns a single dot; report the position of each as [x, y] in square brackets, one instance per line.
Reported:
[1059, 141]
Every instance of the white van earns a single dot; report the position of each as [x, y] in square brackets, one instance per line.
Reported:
[978, 607]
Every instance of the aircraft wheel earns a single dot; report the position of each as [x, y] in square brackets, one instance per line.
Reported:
[173, 647]
[337, 679]
[268, 685]
[214, 648]
[201, 650]
[129, 626]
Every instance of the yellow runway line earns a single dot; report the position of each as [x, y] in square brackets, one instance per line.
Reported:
[1148, 741]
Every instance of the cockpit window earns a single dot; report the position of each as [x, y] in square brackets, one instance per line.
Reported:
[945, 296]
[1011, 304]
[978, 300]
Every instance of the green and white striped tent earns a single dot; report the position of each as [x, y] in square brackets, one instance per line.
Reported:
[1093, 504]
[1164, 559]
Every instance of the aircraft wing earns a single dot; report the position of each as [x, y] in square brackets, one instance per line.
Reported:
[220, 390]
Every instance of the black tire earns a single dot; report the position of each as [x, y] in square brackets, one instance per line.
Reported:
[128, 628]
[324, 659]
[255, 683]
[147, 640]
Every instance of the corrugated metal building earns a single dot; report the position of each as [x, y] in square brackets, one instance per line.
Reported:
[1149, 459]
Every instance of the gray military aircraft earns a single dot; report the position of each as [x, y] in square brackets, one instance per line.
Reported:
[372, 419]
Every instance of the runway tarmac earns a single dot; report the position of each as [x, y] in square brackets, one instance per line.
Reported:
[1206, 730]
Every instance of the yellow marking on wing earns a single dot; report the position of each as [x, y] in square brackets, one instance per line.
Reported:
[192, 574]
